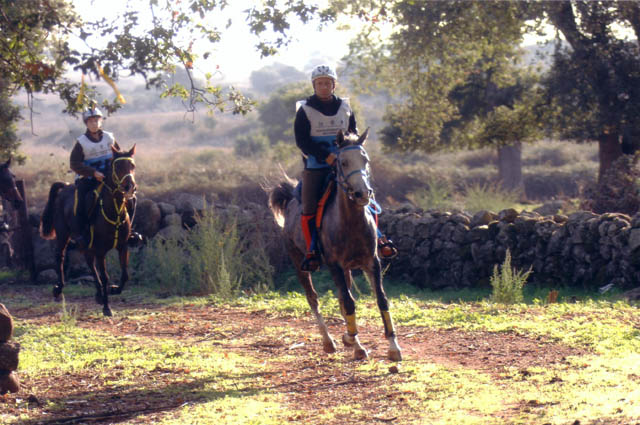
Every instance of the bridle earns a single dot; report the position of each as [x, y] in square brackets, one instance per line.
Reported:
[343, 180]
[120, 180]
[120, 210]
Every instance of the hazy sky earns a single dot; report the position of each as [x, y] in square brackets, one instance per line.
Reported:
[236, 55]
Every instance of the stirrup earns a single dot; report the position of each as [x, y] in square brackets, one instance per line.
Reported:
[311, 263]
[135, 239]
[387, 249]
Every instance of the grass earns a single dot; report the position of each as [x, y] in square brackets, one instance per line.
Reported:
[187, 367]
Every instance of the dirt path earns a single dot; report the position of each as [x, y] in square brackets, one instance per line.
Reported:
[298, 371]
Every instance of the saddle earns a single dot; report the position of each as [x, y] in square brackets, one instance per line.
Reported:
[328, 189]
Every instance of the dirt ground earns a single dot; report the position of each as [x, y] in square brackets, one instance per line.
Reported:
[308, 382]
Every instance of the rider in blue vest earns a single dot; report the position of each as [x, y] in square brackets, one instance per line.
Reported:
[318, 120]
[90, 158]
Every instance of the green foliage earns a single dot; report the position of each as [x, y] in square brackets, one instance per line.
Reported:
[488, 197]
[210, 258]
[278, 112]
[508, 283]
[438, 194]
[250, 145]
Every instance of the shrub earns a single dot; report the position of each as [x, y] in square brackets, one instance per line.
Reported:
[480, 197]
[437, 195]
[209, 258]
[508, 283]
[250, 145]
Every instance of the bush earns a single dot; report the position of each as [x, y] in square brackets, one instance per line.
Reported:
[508, 283]
[480, 197]
[209, 258]
[251, 145]
[437, 195]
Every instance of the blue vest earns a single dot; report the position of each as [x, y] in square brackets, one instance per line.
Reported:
[324, 128]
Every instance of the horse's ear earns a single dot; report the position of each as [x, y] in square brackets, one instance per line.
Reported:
[132, 151]
[340, 138]
[363, 137]
[8, 163]
[115, 148]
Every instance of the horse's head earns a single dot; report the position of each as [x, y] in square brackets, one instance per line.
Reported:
[123, 170]
[8, 187]
[352, 166]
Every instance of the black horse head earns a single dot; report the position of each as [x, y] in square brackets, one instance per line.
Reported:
[8, 188]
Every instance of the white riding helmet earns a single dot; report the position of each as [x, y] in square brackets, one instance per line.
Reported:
[324, 71]
[93, 112]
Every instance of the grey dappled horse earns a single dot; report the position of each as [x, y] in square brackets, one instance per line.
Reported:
[348, 241]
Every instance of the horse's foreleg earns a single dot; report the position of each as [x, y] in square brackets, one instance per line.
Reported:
[104, 277]
[124, 275]
[61, 249]
[90, 258]
[328, 343]
[375, 278]
[342, 280]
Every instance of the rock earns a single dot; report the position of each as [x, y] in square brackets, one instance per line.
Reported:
[8, 382]
[166, 208]
[148, 218]
[47, 277]
[9, 355]
[172, 219]
[186, 202]
[6, 324]
[43, 251]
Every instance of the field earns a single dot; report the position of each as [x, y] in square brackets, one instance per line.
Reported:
[258, 360]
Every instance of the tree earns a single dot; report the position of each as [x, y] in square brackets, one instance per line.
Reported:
[35, 53]
[591, 90]
[595, 80]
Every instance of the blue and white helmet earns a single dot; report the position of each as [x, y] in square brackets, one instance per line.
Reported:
[324, 71]
[92, 112]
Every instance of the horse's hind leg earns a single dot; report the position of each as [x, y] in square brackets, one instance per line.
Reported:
[328, 343]
[124, 275]
[61, 249]
[375, 278]
[91, 263]
[342, 280]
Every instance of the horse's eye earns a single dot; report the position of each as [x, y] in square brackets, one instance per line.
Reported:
[345, 163]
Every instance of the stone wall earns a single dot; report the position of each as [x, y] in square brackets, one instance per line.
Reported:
[456, 250]
[436, 249]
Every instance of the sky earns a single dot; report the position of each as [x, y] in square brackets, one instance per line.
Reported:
[235, 57]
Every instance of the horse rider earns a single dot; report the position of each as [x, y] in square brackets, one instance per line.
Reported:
[90, 158]
[318, 120]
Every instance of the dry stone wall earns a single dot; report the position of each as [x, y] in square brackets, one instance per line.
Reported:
[456, 250]
[436, 249]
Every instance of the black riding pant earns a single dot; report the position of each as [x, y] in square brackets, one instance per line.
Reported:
[312, 184]
[84, 187]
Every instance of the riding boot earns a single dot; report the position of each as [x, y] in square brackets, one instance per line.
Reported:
[312, 259]
[135, 238]
[386, 248]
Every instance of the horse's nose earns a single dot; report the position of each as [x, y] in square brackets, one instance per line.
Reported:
[357, 194]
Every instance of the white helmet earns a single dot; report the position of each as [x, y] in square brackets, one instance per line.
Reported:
[92, 112]
[324, 71]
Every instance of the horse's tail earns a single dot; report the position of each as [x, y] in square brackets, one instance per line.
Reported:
[47, 231]
[279, 197]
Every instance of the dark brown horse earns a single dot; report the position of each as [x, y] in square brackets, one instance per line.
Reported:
[348, 240]
[8, 188]
[110, 225]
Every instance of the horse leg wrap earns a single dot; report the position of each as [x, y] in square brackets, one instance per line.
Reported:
[352, 328]
[389, 329]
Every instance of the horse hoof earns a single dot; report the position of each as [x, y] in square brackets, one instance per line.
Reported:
[360, 354]
[347, 340]
[115, 290]
[107, 312]
[57, 294]
[395, 355]
[329, 346]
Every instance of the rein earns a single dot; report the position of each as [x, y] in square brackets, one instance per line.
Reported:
[342, 179]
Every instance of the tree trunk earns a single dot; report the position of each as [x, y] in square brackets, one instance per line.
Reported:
[510, 167]
[609, 149]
